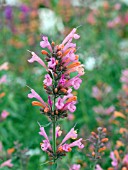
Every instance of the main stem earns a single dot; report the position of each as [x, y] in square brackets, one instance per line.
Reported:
[54, 131]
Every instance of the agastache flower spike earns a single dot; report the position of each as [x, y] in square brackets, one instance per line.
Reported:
[61, 62]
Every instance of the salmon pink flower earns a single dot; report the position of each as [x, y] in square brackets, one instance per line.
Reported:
[45, 43]
[48, 80]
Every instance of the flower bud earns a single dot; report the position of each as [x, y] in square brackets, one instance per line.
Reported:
[102, 149]
[55, 90]
[93, 153]
[53, 43]
[59, 53]
[104, 140]
[46, 110]
[63, 90]
[44, 52]
[104, 130]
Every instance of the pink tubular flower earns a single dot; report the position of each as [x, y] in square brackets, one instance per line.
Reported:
[43, 133]
[114, 160]
[59, 104]
[52, 63]
[48, 80]
[45, 145]
[49, 101]
[37, 59]
[7, 163]
[71, 106]
[45, 43]
[4, 114]
[71, 134]
[33, 94]
[70, 36]
[75, 167]
[75, 82]
[58, 131]
[77, 143]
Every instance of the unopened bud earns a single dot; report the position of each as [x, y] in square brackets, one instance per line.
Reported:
[55, 90]
[44, 52]
[94, 134]
[46, 110]
[104, 140]
[104, 130]
[45, 87]
[59, 53]
[56, 62]
[56, 112]
[63, 90]
[93, 153]
[102, 149]
[53, 43]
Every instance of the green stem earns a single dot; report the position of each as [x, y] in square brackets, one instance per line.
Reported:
[54, 131]
[54, 136]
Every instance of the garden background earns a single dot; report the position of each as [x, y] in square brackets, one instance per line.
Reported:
[102, 97]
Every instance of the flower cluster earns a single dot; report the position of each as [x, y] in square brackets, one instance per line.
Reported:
[63, 74]
[98, 144]
[58, 83]
[63, 147]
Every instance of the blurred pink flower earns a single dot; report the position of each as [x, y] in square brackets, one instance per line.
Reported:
[4, 114]
[98, 167]
[91, 18]
[96, 93]
[114, 160]
[45, 43]
[71, 116]
[124, 77]
[48, 80]
[125, 160]
[3, 79]
[75, 167]
[7, 163]
[117, 6]
[102, 110]
[4, 66]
